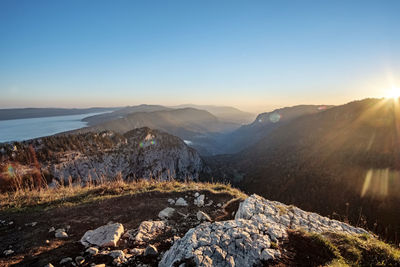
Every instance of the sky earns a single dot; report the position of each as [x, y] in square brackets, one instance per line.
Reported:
[254, 55]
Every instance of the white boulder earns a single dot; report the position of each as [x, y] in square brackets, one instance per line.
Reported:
[199, 201]
[181, 202]
[166, 213]
[104, 236]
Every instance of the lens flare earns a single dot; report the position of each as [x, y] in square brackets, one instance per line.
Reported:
[380, 183]
[147, 143]
[275, 117]
[10, 171]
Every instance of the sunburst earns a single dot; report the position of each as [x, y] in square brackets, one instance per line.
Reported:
[393, 92]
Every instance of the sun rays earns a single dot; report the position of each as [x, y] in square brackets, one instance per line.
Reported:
[393, 92]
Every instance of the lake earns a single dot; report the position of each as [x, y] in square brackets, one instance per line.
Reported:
[24, 129]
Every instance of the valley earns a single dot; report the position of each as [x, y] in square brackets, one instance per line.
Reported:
[340, 161]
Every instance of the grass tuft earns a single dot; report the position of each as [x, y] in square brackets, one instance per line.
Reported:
[339, 249]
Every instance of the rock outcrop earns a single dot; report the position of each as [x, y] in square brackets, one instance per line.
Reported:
[289, 217]
[247, 240]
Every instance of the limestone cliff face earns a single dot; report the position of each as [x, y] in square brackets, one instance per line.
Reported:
[140, 153]
[144, 153]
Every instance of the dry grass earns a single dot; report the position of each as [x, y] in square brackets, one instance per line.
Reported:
[44, 198]
[340, 249]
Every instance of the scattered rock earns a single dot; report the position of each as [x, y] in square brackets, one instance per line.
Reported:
[10, 223]
[104, 236]
[148, 230]
[98, 265]
[199, 201]
[92, 250]
[151, 251]
[202, 216]
[79, 260]
[166, 213]
[171, 201]
[137, 251]
[49, 265]
[181, 202]
[209, 203]
[52, 229]
[8, 252]
[65, 260]
[118, 256]
[31, 224]
[196, 194]
[184, 215]
[130, 234]
[219, 205]
[61, 235]
[47, 242]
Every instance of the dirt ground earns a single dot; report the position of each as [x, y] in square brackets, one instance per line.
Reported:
[29, 242]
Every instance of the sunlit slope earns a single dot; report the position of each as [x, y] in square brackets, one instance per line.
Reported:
[347, 154]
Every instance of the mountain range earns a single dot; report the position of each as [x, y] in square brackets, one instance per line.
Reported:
[341, 161]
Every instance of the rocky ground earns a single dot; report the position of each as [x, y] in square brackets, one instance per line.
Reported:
[189, 228]
[54, 236]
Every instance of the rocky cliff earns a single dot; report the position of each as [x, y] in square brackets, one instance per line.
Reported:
[140, 153]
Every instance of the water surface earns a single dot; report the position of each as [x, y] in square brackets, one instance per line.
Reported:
[24, 129]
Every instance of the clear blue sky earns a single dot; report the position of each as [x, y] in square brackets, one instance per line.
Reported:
[249, 54]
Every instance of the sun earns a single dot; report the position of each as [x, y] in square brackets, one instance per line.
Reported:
[393, 92]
